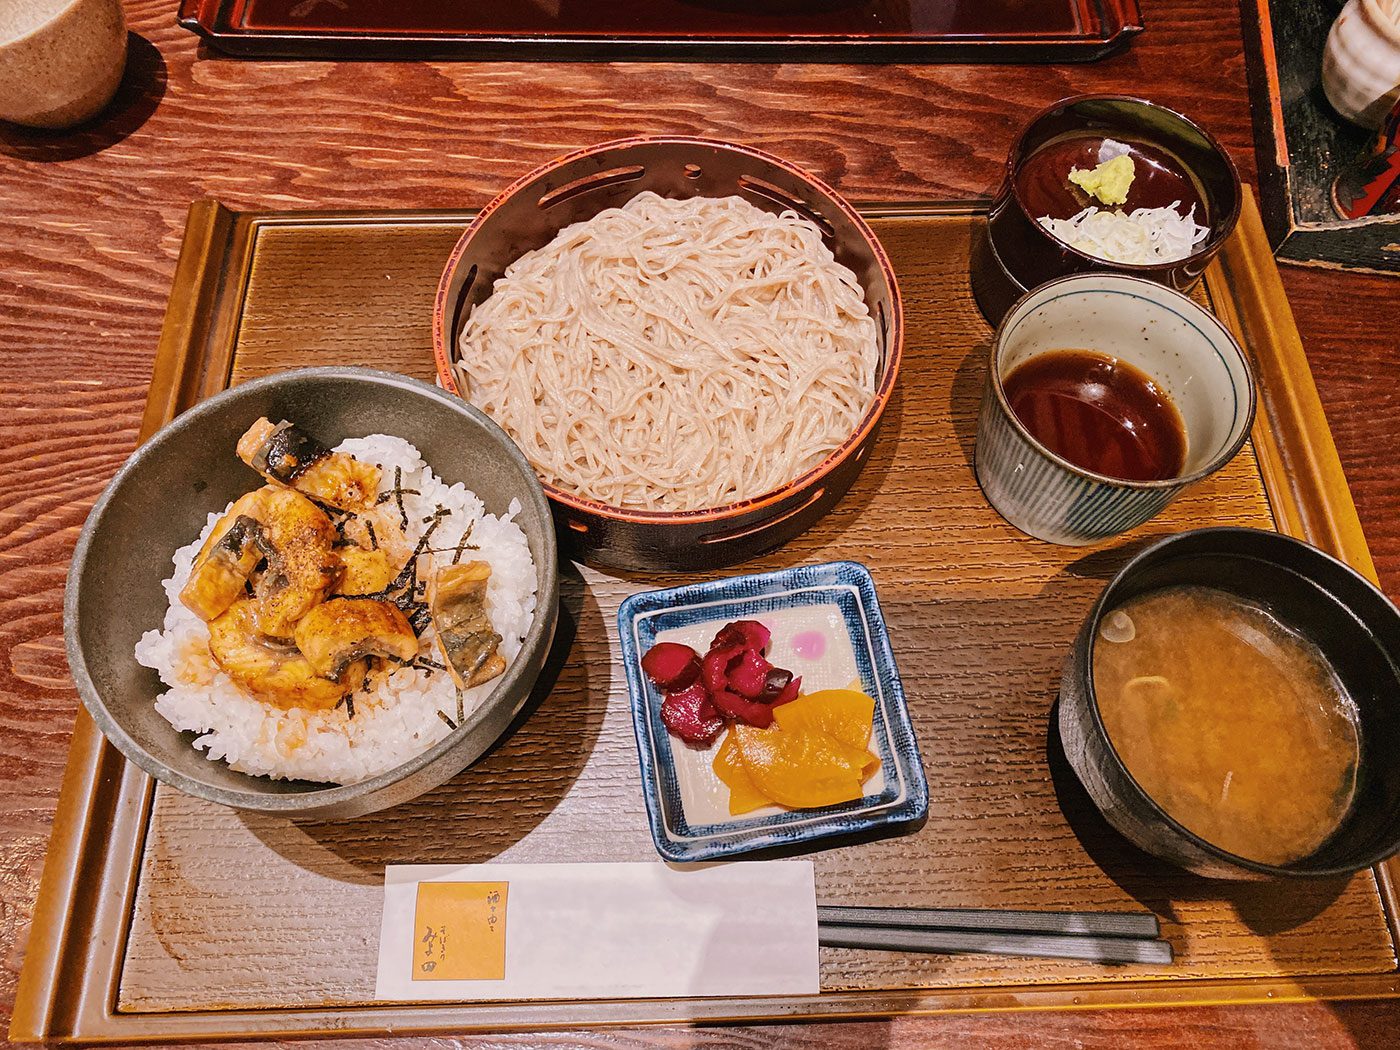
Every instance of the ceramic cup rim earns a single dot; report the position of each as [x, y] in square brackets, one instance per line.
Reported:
[1174, 299]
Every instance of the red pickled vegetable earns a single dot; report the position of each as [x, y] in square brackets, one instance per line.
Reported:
[774, 683]
[714, 669]
[748, 675]
[746, 634]
[691, 715]
[735, 706]
[756, 636]
[671, 665]
[732, 680]
[789, 692]
[730, 636]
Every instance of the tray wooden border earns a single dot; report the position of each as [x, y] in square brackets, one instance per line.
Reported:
[68, 988]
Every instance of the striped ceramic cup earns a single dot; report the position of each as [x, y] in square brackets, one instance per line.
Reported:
[1183, 348]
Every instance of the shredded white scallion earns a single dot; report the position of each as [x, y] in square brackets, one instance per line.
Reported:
[1142, 237]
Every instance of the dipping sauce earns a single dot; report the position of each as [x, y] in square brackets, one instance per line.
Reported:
[1100, 413]
[1234, 724]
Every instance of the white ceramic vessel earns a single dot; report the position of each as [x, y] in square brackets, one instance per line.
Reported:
[1361, 61]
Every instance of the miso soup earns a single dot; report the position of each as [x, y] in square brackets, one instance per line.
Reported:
[1233, 723]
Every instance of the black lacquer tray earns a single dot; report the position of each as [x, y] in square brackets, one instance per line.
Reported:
[694, 30]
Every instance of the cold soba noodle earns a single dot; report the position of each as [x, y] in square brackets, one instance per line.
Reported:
[1236, 726]
[674, 355]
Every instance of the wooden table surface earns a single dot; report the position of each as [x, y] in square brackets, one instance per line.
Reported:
[90, 226]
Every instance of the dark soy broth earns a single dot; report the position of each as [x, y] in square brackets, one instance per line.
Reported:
[1099, 413]
[1235, 725]
[1159, 179]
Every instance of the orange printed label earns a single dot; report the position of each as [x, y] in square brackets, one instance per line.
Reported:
[460, 931]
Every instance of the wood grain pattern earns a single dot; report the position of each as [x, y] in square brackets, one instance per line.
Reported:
[90, 230]
[231, 908]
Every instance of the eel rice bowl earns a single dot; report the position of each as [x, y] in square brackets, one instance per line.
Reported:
[392, 707]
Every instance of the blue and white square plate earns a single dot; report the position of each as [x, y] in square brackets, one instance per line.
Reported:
[827, 627]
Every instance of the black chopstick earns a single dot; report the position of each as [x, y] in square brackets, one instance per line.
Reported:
[1098, 923]
[1102, 937]
[1046, 945]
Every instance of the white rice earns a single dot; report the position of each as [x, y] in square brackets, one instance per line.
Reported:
[400, 718]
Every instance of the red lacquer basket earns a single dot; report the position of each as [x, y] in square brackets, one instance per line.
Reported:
[578, 186]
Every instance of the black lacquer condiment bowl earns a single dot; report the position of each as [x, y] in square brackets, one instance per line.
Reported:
[1183, 162]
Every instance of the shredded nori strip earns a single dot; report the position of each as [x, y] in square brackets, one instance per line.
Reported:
[403, 591]
[373, 539]
[339, 519]
[462, 543]
[450, 724]
[349, 705]
[397, 493]
[461, 715]
[436, 520]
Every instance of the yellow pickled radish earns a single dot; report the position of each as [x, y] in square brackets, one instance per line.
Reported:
[728, 765]
[846, 714]
[815, 754]
[801, 769]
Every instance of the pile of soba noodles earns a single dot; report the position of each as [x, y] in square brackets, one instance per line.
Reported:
[674, 355]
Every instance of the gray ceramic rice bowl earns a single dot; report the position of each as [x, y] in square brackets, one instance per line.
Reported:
[159, 501]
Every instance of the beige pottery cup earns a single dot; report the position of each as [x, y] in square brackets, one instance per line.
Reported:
[60, 60]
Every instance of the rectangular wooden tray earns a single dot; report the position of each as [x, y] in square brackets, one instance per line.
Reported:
[633, 30]
[1301, 144]
[164, 917]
